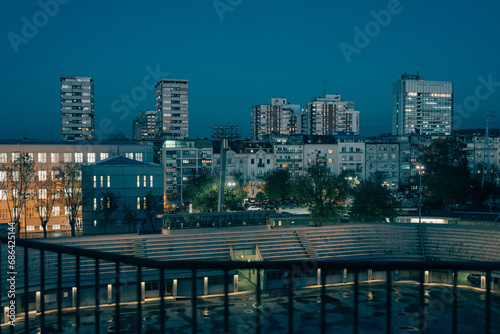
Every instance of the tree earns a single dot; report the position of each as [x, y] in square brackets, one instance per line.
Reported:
[45, 196]
[19, 179]
[110, 202]
[69, 178]
[130, 216]
[120, 136]
[447, 176]
[372, 202]
[152, 207]
[199, 181]
[322, 191]
[279, 186]
[207, 198]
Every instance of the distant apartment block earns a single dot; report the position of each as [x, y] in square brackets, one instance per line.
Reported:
[276, 118]
[77, 108]
[422, 107]
[382, 163]
[329, 114]
[182, 160]
[172, 108]
[145, 126]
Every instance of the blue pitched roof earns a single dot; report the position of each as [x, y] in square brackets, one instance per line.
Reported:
[121, 161]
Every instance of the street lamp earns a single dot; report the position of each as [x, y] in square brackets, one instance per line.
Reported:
[421, 171]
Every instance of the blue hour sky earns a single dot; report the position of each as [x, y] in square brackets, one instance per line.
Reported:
[238, 53]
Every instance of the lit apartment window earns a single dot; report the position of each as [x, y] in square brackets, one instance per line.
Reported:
[102, 181]
[138, 203]
[56, 227]
[66, 210]
[145, 183]
[129, 155]
[104, 156]
[109, 181]
[42, 175]
[42, 211]
[95, 181]
[3, 158]
[15, 156]
[79, 157]
[3, 176]
[42, 193]
[138, 157]
[95, 222]
[42, 158]
[54, 158]
[91, 157]
[55, 211]
[95, 204]
[67, 157]
[30, 228]
[138, 181]
[151, 181]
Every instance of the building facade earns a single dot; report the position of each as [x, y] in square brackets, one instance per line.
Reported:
[77, 108]
[172, 108]
[145, 126]
[328, 114]
[182, 160]
[276, 118]
[50, 154]
[130, 181]
[382, 163]
[422, 107]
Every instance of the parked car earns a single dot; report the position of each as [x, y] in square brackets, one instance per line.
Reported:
[253, 208]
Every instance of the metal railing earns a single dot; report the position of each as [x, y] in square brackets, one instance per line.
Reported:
[194, 267]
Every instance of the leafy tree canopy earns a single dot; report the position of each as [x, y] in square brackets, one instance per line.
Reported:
[372, 203]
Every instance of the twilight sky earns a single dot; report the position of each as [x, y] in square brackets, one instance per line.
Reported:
[238, 53]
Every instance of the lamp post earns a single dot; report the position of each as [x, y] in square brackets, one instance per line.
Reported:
[420, 172]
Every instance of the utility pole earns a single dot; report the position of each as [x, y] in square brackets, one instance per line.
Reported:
[224, 133]
[486, 157]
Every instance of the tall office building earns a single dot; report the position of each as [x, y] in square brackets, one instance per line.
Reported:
[329, 114]
[172, 108]
[421, 107]
[145, 126]
[276, 118]
[77, 108]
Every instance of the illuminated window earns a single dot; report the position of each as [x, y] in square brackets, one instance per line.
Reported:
[138, 181]
[104, 156]
[129, 155]
[138, 156]
[54, 158]
[3, 158]
[95, 181]
[67, 157]
[145, 183]
[55, 211]
[109, 181]
[42, 193]
[91, 157]
[151, 181]
[56, 227]
[102, 181]
[15, 156]
[42, 158]
[79, 157]
[42, 175]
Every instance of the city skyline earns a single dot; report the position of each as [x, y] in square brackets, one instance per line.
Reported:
[234, 62]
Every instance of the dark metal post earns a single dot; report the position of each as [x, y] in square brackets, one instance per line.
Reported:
[117, 297]
[222, 178]
[59, 291]
[193, 299]
[162, 300]
[421, 303]
[78, 293]
[26, 293]
[258, 292]
[97, 296]
[356, 301]
[388, 302]
[139, 299]
[455, 303]
[42, 289]
[226, 301]
[323, 301]
[488, 302]
[290, 301]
